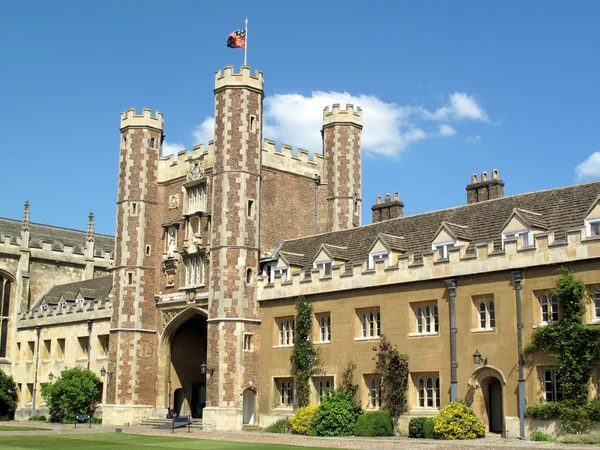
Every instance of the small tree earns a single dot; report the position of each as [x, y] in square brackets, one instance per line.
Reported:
[8, 396]
[347, 385]
[392, 368]
[305, 357]
[75, 392]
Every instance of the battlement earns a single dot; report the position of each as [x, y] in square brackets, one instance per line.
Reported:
[229, 78]
[56, 251]
[130, 119]
[283, 159]
[410, 267]
[336, 115]
[71, 312]
[171, 168]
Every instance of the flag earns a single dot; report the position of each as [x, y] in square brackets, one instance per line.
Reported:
[237, 39]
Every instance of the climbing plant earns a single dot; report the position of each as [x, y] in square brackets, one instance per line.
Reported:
[305, 357]
[347, 384]
[574, 345]
[392, 368]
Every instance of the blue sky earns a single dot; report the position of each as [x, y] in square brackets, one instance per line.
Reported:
[447, 89]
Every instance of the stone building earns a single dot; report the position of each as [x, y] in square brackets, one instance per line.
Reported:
[212, 248]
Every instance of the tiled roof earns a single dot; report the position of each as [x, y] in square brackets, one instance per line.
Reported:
[293, 259]
[396, 243]
[59, 237]
[461, 232]
[534, 220]
[560, 209]
[337, 252]
[94, 289]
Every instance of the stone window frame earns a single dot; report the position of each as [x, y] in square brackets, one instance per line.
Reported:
[427, 386]
[322, 385]
[285, 389]
[373, 391]
[484, 310]
[285, 328]
[103, 345]
[441, 248]
[326, 265]
[524, 237]
[18, 353]
[376, 256]
[247, 342]
[546, 301]
[6, 283]
[421, 322]
[47, 350]
[61, 349]
[550, 384]
[323, 327]
[83, 350]
[369, 323]
[198, 202]
[193, 267]
[592, 227]
[274, 271]
[30, 351]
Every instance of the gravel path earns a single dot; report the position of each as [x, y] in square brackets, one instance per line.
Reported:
[394, 443]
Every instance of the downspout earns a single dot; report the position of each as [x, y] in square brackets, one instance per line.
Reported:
[451, 285]
[38, 329]
[517, 278]
[317, 183]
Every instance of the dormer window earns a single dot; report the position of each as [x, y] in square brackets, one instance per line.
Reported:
[442, 248]
[523, 236]
[379, 256]
[282, 272]
[592, 227]
[324, 265]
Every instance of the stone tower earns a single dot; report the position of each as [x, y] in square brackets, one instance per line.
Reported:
[131, 375]
[232, 354]
[341, 150]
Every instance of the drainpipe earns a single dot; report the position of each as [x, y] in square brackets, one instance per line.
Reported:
[38, 329]
[517, 278]
[317, 183]
[451, 285]
[89, 343]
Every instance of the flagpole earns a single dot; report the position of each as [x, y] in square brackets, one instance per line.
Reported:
[246, 46]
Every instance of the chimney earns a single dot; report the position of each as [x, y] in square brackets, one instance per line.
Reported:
[486, 189]
[390, 209]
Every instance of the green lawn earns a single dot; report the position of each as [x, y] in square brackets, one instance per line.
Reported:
[115, 441]
[3, 428]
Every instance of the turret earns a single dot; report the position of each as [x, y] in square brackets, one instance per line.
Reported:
[89, 248]
[341, 149]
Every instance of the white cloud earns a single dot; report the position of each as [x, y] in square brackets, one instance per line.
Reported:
[447, 130]
[473, 139]
[388, 128]
[590, 168]
[171, 148]
[459, 106]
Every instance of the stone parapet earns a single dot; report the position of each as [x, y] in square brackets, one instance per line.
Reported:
[283, 159]
[429, 266]
[130, 119]
[72, 312]
[125, 415]
[227, 78]
[171, 168]
[351, 114]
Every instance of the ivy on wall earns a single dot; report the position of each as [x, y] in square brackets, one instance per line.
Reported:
[305, 358]
[392, 368]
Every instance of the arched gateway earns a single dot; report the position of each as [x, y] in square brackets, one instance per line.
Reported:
[181, 383]
[486, 395]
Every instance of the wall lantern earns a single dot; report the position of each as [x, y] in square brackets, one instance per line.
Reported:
[102, 371]
[478, 359]
[50, 376]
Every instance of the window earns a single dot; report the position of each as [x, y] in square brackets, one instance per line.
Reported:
[370, 323]
[84, 343]
[47, 349]
[18, 354]
[597, 305]
[30, 350]
[247, 342]
[324, 328]
[282, 272]
[253, 124]
[129, 278]
[194, 271]
[29, 392]
[196, 198]
[249, 276]
[552, 388]
[286, 331]
[152, 142]
[60, 349]
[374, 392]
[593, 227]
[5, 286]
[134, 209]
[249, 210]
[379, 256]
[285, 387]
[427, 319]
[429, 392]
[523, 236]
[323, 385]
[486, 314]
[549, 304]
[19, 392]
[442, 249]
[103, 340]
[148, 250]
[326, 265]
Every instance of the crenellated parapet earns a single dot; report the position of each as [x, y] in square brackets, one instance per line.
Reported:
[129, 118]
[70, 312]
[285, 160]
[410, 268]
[172, 168]
[228, 78]
[351, 114]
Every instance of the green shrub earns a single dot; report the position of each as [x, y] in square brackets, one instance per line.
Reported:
[38, 418]
[375, 423]
[74, 393]
[588, 438]
[280, 426]
[337, 415]
[96, 420]
[303, 419]
[593, 409]
[541, 436]
[8, 396]
[543, 410]
[574, 418]
[457, 421]
[415, 427]
[428, 428]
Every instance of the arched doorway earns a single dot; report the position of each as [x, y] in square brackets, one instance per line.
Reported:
[486, 397]
[249, 398]
[492, 395]
[188, 352]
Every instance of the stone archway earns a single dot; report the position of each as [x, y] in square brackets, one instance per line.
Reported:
[486, 397]
[249, 406]
[183, 343]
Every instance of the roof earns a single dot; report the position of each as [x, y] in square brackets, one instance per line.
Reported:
[292, 259]
[94, 289]
[534, 220]
[394, 243]
[59, 237]
[559, 210]
[460, 232]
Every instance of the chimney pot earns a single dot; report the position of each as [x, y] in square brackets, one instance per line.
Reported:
[474, 178]
[378, 200]
[495, 174]
[396, 196]
[484, 176]
[387, 197]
